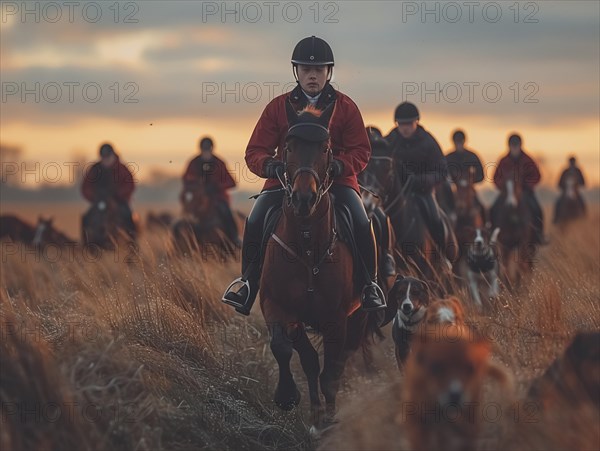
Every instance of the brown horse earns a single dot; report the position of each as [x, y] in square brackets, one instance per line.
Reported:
[38, 236]
[569, 206]
[468, 218]
[45, 234]
[376, 182]
[15, 229]
[416, 250]
[307, 276]
[517, 235]
[201, 228]
[104, 225]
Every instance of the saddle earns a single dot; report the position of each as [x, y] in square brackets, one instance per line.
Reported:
[345, 233]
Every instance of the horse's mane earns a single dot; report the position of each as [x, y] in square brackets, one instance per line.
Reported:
[311, 109]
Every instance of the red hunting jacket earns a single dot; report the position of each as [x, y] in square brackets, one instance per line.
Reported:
[101, 183]
[525, 171]
[213, 173]
[349, 140]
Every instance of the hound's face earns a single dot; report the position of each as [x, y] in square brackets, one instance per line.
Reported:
[451, 366]
[411, 294]
[481, 239]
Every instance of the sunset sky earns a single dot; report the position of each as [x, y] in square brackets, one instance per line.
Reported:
[198, 68]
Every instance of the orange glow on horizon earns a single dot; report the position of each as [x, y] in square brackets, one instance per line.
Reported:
[167, 145]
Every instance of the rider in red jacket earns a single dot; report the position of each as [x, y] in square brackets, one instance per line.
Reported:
[521, 168]
[312, 61]
[109, 180]
[212, 172]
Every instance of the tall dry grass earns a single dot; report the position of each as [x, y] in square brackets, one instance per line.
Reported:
[98, 353]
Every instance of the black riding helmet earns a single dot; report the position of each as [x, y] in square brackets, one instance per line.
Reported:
[106, 149]
[406, 112]
[312, 51]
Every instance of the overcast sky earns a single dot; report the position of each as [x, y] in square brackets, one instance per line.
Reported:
[193, 68]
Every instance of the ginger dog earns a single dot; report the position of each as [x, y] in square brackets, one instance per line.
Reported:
[442, 390]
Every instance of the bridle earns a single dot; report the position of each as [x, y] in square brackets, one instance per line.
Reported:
[287, 182]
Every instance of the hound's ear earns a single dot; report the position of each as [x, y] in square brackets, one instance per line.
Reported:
[326, 115]
[398, 280]
[292, 116]
[427, 288]
[397, 283]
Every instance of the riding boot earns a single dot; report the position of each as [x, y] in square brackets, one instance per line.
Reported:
[241, 293]
[372, 297]
[388, 267]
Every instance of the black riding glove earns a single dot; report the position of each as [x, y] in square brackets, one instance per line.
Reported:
[337, 168]
[272, 168]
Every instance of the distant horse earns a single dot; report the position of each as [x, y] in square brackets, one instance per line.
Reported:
[569, 206]
[104, 225]
[376, 182]
[307, 276]
[201, 228]
[516, 238]
[468, 217]
[39, 236]
[45, 234]
[16, 229]
[418, 253]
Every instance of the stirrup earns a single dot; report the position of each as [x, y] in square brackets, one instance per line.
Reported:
[234, 303]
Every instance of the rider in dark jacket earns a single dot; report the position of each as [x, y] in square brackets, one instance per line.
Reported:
[571, 173]
[522, 169]
[312, 61]
[420, 164]
[464, 167]
[211, 171]
[109, 180]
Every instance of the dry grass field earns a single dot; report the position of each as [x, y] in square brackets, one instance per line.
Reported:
[101, 353]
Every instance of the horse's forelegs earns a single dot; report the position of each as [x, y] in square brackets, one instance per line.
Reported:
[287, 395]
[333, 364]
[309, 359]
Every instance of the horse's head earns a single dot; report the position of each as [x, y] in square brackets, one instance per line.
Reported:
[307, 158]
[464, 198]
[44, 225]
[571, 187]
[512, 191]
[196, 200]
[378, 175]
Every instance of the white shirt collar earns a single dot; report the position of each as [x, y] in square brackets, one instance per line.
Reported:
[312, 100]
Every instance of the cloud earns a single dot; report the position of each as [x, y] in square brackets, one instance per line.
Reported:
[175, 52]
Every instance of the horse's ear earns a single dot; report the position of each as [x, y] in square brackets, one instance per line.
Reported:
[494, 236]
[326, 115]
[292, 116]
